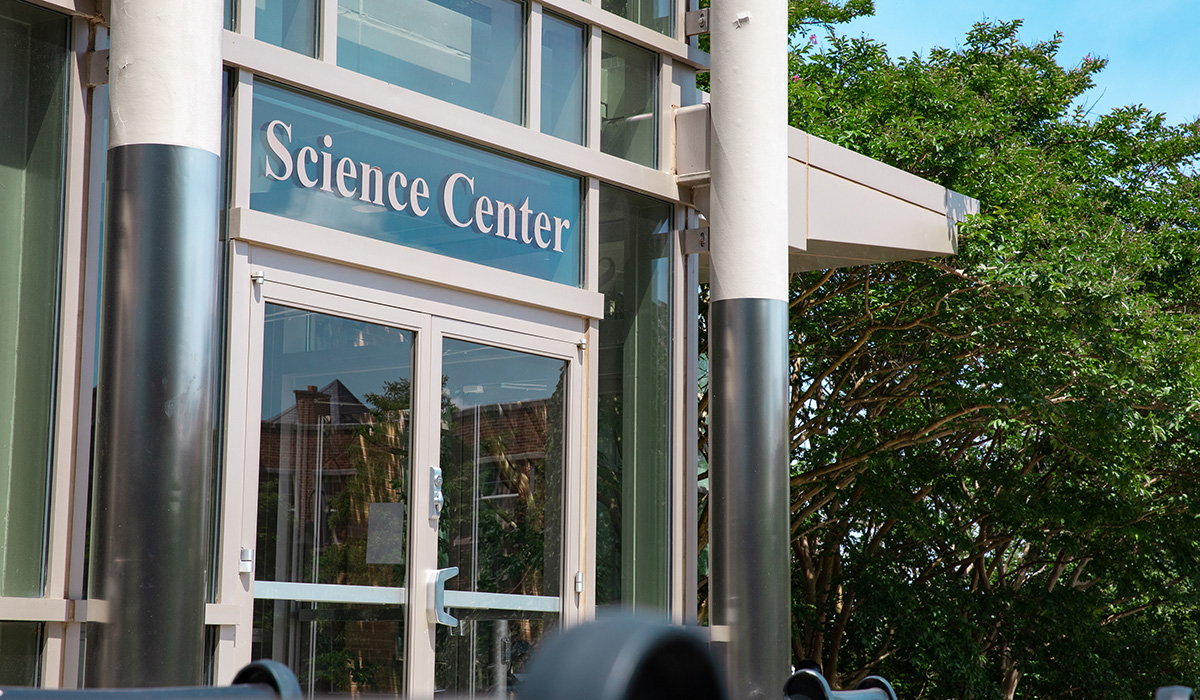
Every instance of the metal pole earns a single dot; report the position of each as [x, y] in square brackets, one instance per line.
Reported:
[748, 339]
[153, 438]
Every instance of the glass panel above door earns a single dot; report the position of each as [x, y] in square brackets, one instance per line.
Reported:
[291, 24]
[466, 52]
[563, 48]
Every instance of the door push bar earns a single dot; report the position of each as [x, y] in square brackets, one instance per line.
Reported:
[437, 597]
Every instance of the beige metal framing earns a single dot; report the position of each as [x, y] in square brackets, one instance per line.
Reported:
[433, 314]
[344, 273]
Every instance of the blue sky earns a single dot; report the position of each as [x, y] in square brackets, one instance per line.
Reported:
[1152, 47]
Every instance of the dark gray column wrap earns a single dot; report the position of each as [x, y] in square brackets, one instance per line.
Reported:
[153, 439]
[748, 443]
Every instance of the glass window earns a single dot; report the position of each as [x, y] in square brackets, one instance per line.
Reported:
[628, 99]
[562, 78]
[633, 439]
[33, 57]
[655, 14]
[468, 52]
[291, 24]
[20, 653]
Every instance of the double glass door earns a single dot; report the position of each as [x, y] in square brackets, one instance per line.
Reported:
[410, 499]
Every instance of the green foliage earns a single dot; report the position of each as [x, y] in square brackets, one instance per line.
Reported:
[802, 14]
[994, 480]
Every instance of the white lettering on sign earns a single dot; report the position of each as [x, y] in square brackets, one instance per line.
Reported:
[346, 178]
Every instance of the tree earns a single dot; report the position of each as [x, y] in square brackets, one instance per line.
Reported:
[994, 480]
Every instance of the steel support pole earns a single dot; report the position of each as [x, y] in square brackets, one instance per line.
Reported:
[153, 439]
[748, 339]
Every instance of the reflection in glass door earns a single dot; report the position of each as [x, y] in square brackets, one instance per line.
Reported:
[334, 477]
[338, 542]
[503, 431]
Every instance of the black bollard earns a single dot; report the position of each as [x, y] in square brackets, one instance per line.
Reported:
[809, 684]
[624, 658]
[261, 680]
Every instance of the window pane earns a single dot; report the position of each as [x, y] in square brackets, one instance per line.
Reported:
[468, 52]
[562, 78]
[488, 656]
[20, 653]
[291, 24]
[334, 648]
[33, 54]
[334, 451]
[655, 14]
[628, 97]
[503, 424]
[633, 445]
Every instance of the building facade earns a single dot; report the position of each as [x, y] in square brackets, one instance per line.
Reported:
[454, 409]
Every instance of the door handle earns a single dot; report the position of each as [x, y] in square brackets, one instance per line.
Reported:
[437, 597]
[437, 499]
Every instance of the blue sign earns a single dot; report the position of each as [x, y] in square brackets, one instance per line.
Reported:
[336, 167]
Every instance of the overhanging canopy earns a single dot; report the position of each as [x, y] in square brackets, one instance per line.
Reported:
[844, 208]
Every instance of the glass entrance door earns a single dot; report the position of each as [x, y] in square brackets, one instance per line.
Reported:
[410, 500]
[334, 490]
[503, 434]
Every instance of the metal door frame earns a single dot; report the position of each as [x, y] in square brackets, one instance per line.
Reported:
[260, 276]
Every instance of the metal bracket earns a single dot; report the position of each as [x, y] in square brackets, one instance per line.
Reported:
[437, 499]
[246, 561]
[437, 597]
[97, 67]
[694, 240]
[258, 277]
[695, 22]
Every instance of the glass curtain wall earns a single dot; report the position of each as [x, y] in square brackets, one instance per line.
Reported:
[633, 439]
[33, 84]
[628, 99]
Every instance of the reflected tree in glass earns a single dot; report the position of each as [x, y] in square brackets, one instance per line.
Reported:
[502, 464]
[334, 481]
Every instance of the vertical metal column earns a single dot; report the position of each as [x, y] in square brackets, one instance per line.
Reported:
[749, 345]
[153, 439]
